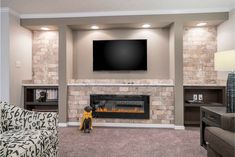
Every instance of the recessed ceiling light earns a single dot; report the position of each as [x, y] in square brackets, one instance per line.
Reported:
[45, 28]
[146, 25]
[202, 24]
[94, 27]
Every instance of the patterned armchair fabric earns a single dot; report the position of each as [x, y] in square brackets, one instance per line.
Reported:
[26, 133]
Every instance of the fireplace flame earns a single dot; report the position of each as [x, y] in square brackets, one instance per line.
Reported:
[135, 110]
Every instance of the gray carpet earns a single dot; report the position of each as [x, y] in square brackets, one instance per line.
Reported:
[129, 142]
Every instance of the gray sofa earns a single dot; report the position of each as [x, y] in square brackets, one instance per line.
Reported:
[221, 141]
[26, 133]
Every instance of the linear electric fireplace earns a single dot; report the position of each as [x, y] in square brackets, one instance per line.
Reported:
[120, 106]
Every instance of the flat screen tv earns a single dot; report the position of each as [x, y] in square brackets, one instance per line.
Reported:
[118, 55]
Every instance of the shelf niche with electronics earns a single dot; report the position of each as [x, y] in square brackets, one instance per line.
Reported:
[197, 96]
[41, 98]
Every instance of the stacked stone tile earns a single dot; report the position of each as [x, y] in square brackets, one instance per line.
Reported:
[122, 81]
[161, 102]
[199, 46]
[45, 57]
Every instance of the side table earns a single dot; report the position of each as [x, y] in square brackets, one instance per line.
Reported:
[209, 116]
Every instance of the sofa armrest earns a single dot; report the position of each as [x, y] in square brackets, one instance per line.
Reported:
[228, 122]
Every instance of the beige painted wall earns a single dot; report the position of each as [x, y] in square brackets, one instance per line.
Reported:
[157, 46]
[69, 47]
[16, 58]
[225, 39]
[20, 59]
[4, 57]
[226, 31]
[177, 41]
[172, 52]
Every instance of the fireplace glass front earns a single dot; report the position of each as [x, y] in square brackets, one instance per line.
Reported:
[120, 106]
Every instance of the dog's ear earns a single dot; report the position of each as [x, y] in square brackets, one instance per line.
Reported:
[88, 109]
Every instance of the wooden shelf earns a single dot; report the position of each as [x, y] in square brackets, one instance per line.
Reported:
[46, 110]
[41, 103]
[212, 96]
[201, 104]
[31, 101]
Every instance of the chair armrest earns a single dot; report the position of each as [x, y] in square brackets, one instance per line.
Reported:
[48, 120]
[228, 122]
[17, 118]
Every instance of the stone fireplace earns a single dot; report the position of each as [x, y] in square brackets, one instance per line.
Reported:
[161, 99]
[120, 106]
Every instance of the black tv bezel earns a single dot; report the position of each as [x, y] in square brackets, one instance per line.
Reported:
[103, 70]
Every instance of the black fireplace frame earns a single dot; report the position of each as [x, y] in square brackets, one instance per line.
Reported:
[145, 98]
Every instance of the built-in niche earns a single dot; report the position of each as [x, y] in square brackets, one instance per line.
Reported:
[157, 53]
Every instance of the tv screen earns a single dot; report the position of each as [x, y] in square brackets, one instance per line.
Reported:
[115, 55]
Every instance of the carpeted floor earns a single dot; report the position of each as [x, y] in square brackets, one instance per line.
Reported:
[130, 142]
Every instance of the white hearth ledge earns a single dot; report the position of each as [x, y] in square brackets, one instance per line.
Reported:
[122, 84]
[209, 85]
[129, 125]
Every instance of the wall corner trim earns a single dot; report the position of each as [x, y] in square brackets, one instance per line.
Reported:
[9, 10]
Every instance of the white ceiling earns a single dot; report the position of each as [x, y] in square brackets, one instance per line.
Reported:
[81, 6]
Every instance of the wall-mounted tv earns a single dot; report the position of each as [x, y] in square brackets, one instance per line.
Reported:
[118, 55]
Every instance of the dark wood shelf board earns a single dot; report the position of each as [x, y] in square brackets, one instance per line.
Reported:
[41, 103]
[31, 103]
[203, 87]
[213, 96]
[46, 110]
[41, 87]
[200, 104]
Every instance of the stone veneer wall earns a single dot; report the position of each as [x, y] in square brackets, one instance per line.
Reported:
[199, 46]
[161, 102]
[45, 57]
[122, 81]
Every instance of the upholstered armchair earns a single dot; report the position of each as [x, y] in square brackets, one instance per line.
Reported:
[26, 133]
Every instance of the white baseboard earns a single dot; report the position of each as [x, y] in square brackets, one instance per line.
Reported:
[73, 123]
[179, 127]
[62, 124]
[135, 125]
[127, 125]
